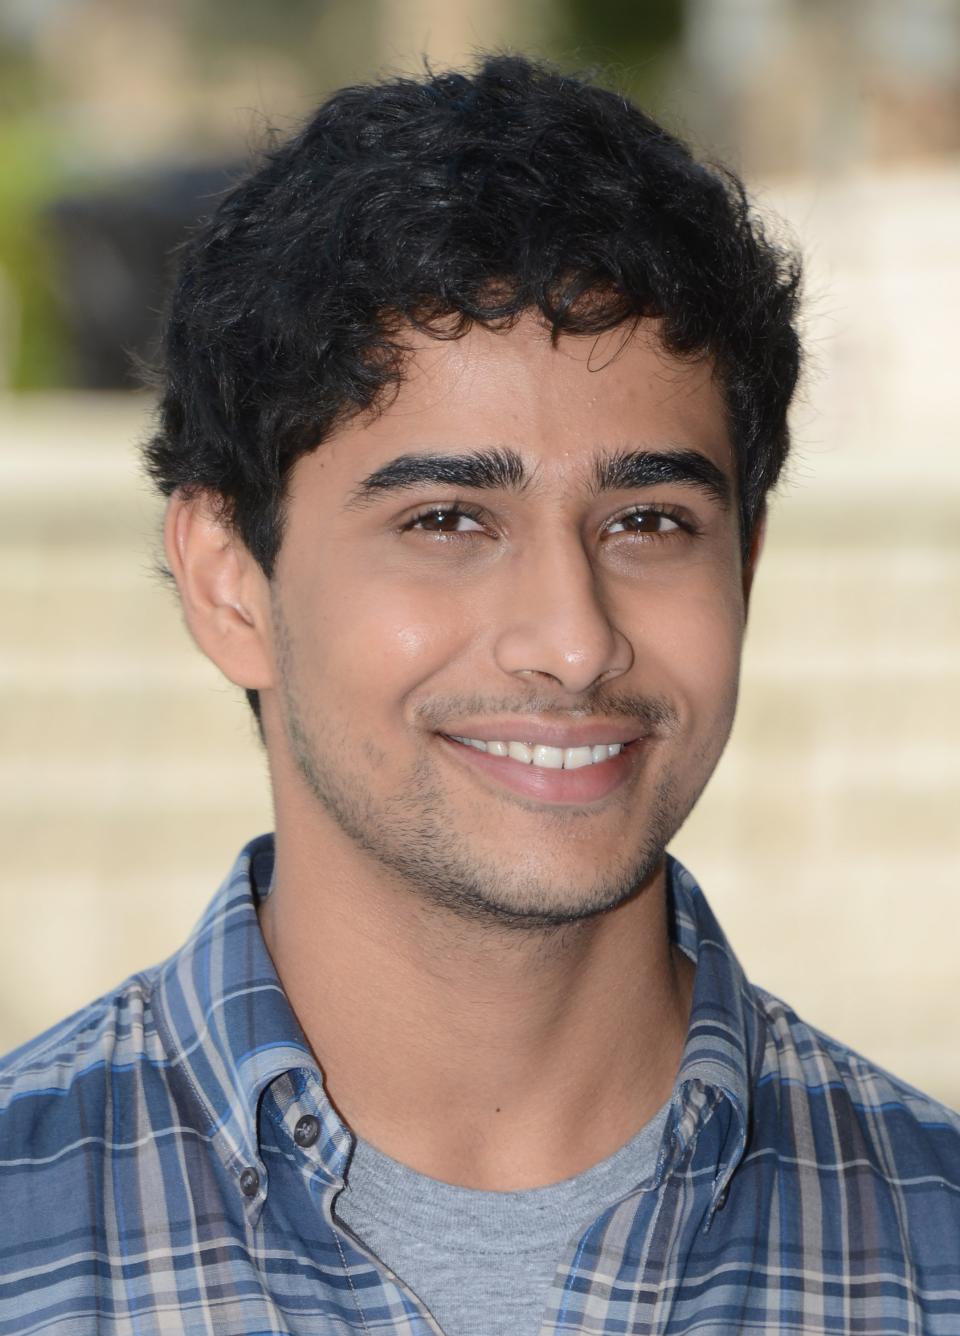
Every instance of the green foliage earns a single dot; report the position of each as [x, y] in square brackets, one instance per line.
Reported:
[634, 38]
[27, 183]
[251, 22]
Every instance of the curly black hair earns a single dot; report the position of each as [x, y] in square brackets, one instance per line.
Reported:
[437, 203]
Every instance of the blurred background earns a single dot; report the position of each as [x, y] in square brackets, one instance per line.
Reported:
[130, 773]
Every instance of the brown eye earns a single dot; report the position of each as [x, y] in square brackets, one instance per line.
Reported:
[444, 520]
[644, 521]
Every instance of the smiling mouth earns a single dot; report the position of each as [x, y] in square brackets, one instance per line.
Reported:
[544, 757]
[555, 776]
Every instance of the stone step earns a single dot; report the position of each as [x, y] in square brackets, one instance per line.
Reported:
[118, 598]
[846, 728]
[130, 773]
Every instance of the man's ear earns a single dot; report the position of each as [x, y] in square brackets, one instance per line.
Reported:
[224, 593]
[753, 556]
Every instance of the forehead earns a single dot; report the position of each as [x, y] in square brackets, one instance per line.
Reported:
[557, 405]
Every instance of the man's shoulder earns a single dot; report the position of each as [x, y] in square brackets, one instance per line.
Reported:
[136, 1031]
[81, 1055]
[853, 1108]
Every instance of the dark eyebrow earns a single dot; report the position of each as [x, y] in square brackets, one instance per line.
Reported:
[625, 469]
[501, 469]
[504, 470]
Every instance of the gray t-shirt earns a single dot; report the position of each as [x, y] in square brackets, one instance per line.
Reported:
[483, 1262]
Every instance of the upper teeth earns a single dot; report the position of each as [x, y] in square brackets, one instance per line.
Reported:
[552, 758]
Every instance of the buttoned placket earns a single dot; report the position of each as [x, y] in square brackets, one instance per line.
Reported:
[302, 1121]
[317, 1140]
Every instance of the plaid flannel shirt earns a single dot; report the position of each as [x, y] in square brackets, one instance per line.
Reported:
[169, 1163]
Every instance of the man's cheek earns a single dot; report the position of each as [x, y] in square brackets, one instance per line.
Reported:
[691, 640]
[392, 646]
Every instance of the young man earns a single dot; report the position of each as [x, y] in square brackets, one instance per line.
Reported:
[472, 397]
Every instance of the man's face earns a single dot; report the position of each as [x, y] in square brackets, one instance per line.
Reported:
[567, 574]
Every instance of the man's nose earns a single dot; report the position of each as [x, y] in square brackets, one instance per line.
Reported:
[554, 621]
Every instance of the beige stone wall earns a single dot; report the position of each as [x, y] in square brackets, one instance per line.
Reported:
[129, 773]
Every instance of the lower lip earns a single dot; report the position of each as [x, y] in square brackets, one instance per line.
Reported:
[586, 784]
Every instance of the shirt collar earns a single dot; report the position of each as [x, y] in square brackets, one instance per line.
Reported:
[227, 1025]
[230, 1031]
[723, 1052]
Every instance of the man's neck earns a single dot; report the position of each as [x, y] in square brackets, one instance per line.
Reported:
[500, 1058]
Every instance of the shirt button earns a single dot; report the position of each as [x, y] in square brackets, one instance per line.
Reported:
[722, 1200]
[306, 1131]
[249, 1182]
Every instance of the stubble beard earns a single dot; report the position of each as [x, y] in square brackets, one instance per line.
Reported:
[411, 835]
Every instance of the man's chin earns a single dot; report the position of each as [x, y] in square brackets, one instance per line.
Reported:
[535, 904]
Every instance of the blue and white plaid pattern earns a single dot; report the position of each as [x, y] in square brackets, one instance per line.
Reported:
[798, 1188]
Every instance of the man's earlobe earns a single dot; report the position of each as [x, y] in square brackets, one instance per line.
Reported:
[223, 591]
